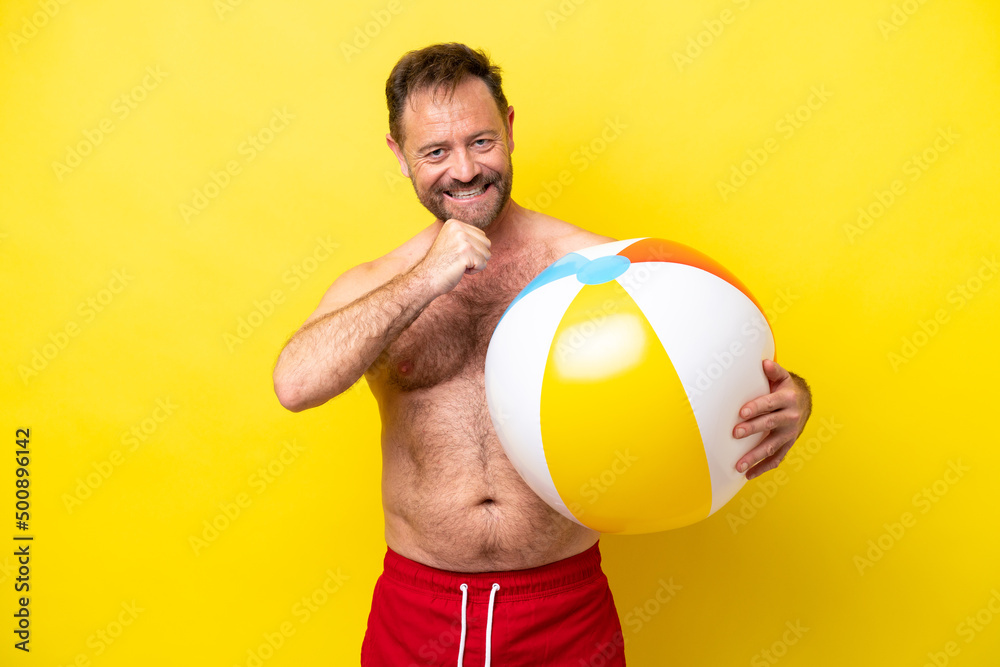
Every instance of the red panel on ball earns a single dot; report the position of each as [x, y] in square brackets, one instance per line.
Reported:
[662, 250]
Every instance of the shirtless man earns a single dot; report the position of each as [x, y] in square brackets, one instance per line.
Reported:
[470, 546]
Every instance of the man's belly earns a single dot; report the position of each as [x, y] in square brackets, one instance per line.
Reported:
[452, 499]
[455, 531]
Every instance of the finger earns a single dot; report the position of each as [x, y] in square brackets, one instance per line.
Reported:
[773, 444]
[476, 262]
[769, 421]
[480, 234]
[776, 400]
[770, 463]
[483, 245]
[471, 230]
[476, 234]
[476, 238]
[474, 259]
[475, 249]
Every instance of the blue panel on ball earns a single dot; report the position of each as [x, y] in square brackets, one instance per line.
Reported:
[603, 269]
[567, 265]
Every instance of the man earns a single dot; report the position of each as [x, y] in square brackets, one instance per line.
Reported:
[477, 567]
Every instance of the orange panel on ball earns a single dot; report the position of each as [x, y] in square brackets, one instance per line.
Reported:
[662, 250]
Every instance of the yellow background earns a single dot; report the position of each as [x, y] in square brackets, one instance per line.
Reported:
[842, 304]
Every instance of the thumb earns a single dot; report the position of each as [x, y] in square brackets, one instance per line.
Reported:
[774, 372]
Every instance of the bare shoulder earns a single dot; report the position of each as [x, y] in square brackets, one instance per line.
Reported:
[406, 255]
[566, 237]
[358, 280]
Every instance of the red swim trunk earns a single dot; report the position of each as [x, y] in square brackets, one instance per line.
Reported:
[561, 614]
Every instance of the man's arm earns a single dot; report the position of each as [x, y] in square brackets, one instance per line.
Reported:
[346, 333]
[339, 341]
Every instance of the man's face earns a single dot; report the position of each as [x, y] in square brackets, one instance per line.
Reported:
[456, 152]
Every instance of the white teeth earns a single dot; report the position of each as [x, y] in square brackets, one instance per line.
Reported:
[466, 194]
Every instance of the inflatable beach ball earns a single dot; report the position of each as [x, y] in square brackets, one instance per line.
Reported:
[615, 378]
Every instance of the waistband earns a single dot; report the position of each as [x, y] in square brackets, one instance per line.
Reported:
[548, 579]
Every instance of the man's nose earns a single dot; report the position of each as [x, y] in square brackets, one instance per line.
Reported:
[464, 167]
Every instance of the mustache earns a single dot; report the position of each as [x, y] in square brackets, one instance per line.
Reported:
[479, 181]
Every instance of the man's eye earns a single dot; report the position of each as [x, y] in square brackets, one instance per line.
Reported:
[482, 142]
[437, 152]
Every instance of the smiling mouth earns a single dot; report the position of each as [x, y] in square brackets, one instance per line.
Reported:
[461, 195]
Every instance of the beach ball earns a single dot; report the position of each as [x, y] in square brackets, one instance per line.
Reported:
[614, 380]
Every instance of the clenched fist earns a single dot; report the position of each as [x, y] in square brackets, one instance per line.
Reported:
[459, 249]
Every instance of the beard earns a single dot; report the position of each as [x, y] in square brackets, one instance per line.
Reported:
[482, 213]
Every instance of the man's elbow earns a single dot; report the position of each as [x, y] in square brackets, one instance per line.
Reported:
[289, 399]
[290, 394]
[296, 397]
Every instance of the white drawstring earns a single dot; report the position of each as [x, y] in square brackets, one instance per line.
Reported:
[461, 643]
[489, 623]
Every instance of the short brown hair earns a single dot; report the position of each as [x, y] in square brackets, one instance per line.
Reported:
[438, 66]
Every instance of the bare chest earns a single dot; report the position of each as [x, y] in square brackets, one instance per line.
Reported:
[451, 336]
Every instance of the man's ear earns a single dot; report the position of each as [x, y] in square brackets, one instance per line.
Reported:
[398, 152]
[510, 129]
